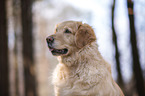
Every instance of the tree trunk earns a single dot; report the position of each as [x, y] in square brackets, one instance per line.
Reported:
[19, 85]
[28, 58]
[4, 73]
[117, 54]
[136, 63]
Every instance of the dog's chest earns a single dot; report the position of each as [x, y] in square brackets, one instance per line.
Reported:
[70, 83]
[72, 86]
[63, 79]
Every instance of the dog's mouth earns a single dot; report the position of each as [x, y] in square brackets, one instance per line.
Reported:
[58, 51]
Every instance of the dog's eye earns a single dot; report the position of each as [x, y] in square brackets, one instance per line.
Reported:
[67, 31]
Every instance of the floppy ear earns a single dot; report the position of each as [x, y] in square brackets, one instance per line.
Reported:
[84, 35]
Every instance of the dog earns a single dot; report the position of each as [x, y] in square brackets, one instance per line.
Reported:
[81, 71]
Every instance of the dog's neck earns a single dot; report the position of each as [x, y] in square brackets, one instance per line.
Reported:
[83, 55]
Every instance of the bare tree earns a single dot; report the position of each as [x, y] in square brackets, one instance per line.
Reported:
[28, 58]
[4, 66]
[117, 54]
[136, 63]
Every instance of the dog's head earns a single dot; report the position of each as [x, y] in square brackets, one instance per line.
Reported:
[70, 37]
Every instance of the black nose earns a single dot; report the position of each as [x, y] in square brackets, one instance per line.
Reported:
[49, 39]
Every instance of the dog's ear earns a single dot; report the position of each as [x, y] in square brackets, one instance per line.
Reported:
[84, 35]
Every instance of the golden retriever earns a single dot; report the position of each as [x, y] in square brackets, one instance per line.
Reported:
[81, 71]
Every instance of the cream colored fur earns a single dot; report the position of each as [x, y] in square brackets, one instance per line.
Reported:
[83, 72]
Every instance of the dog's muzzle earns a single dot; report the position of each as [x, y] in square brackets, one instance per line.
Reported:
[54, 51]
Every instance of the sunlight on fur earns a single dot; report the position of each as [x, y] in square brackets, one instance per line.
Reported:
[81, 71]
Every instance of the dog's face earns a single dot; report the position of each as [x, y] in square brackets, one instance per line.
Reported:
[69, 37]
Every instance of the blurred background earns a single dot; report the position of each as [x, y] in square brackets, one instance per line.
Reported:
[26, 65]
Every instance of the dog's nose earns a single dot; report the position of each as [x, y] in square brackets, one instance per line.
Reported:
[49, 39]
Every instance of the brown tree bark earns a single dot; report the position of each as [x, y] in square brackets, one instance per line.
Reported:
[4, 66]
[117, 54]
[28, 58]
[136, 63]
